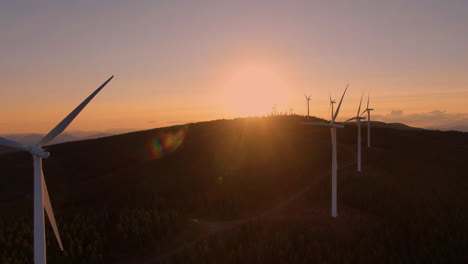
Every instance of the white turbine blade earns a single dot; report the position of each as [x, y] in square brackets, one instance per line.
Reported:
[367, 108]
[332, 113]
[339, 105]
[368, 96]
[360, 102]
[67, 120]
[12, 144]
[353, 118]
[49, 211]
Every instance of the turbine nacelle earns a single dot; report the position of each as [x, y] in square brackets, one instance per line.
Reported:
[39, 152]
[33, 150]
[355, 118]
[367, 107]
[368, 111]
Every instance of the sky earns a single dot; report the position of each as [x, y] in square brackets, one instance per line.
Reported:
[185, 61]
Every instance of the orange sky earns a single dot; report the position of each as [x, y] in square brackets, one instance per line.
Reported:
[178, 62]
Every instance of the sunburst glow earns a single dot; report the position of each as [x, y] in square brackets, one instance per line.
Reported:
[253, 89]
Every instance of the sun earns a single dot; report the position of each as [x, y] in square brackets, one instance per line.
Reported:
[252, 89]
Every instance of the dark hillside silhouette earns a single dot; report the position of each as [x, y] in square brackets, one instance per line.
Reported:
[134, 197]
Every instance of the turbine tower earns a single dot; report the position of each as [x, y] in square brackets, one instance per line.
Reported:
[358, 121]
[308, 99]
[333, 127]
[368, 110]
[41, 196]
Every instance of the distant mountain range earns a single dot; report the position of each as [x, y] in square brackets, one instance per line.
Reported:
[398, 126]
[450, 128]
[459, 125]
[73, 135]
[401, 126]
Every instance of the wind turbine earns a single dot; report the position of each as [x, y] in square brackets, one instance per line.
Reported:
[368, 110]
[333, 127]
[290, 111]
[308, 99]
[331, 105]
[41, 196]
[358, 121]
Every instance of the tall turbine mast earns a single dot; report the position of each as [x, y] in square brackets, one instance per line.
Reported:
[358, 119]
[41, 195]
[308, 99]
[333, 127]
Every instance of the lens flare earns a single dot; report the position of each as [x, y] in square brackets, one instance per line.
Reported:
[166, 142]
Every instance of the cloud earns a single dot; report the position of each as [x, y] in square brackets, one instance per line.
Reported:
[434, 118]
[437, 112]
[396, 113]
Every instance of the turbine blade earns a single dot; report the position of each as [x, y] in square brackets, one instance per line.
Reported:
[350, 119]
[368, 96]
[305, 96]
[332, 113]
[48, 209]
[12, 144]
[67, 120]
[360, 102]
[339, 105]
